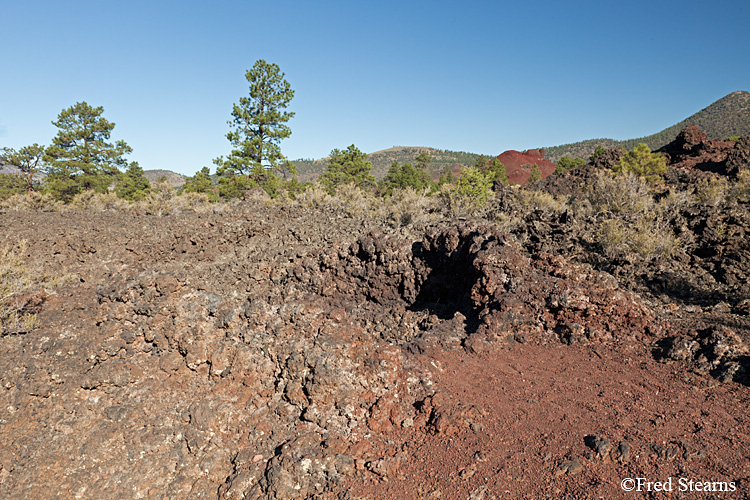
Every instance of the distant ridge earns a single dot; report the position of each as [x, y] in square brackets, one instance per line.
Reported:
[726, 117]
[175, 179]
[309, 170]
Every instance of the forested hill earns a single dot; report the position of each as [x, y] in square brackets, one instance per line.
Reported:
[309, 170]
[729, 116]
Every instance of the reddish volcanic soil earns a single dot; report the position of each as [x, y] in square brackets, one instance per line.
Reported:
[509, 420]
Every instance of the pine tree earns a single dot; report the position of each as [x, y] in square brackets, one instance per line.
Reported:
[423, 160]
[482, 162]
[536, 174]
[569, 163]
[201, 182]
[80, 157]
[259, 123]
[405, 176]
[348, 166]
[496, 170]
[643, 163]
[29, 160]
[133, 185]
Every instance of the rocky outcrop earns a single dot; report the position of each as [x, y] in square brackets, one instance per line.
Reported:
[480, 276]
[518, 165]
[608, 158]
[739, 157]
[692, 149]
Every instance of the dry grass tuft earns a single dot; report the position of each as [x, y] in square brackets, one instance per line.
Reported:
[89, 200]
[32, 201]
[647, 236]
[532, 200]
[354, 200]
[618, 194]
[507, 223]
[406, 207]
[712, 191]
[16, 280]
[740, 189]
[313, 196]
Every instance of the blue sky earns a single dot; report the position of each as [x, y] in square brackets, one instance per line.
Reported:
[469, 76]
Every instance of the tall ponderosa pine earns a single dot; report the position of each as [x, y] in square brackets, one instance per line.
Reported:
[259, 123]
[80, 157]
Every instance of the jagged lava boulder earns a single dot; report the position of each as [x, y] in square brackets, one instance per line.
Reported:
[692, 149]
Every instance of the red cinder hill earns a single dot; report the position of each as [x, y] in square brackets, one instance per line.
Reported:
[518, 165]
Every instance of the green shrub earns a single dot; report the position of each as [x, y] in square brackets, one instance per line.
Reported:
[267, 180]
[569, 163]
[11, 184]
[294, 187]
[234, 185]
[643, 163]
[496, 171]
[133, 185]
[600, 150]
[470, 192]
[201, 182]
[405, 176]
[347, 167]
[536, 174]
[446, 177]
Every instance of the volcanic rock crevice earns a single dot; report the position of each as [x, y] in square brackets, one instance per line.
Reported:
[478, 277]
